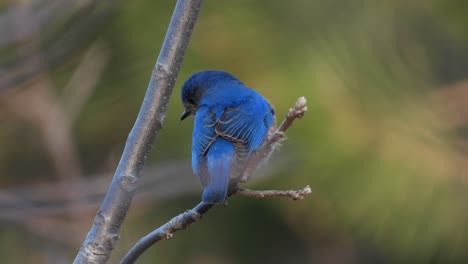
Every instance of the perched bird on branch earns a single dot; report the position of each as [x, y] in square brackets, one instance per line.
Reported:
[231, 123]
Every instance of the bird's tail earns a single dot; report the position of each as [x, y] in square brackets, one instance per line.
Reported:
[219, 159]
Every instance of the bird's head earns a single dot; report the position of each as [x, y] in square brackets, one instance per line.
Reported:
[198, 83]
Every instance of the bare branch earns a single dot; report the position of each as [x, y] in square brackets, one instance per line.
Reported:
[297, 112]
[189, 217]
[166, 231]
[294, 194]
[105, 231]
[183, 220]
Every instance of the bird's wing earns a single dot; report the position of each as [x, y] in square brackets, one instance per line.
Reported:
[247, 123]
[203, 136]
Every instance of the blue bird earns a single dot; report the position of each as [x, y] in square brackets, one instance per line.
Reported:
[231, 122]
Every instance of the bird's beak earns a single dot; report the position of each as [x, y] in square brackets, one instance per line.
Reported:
[185, 114]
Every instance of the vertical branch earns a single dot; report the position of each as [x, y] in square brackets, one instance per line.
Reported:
[105, 231]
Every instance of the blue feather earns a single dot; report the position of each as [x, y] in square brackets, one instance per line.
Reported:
[219, 158]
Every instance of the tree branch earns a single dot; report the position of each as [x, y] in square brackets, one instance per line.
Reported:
[105, 231]
[166, 231]
[183, 220]
[294, 194]
[297, 112]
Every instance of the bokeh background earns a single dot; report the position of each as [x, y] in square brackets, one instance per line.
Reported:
[384, 144]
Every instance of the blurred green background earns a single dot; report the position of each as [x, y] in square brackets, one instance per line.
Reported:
[384, 144]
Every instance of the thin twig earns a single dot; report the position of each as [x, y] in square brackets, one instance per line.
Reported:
[166, 231]
[105, 231]
[294, 194]
[183, 220]
[296, 112]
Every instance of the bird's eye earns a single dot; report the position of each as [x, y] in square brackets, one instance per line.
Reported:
[190, 101]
